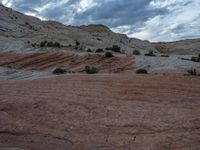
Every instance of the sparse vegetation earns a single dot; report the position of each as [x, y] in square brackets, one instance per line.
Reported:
[196, 59]
[49, 44]
[77, 43]
[59, 71]
[56, 44]
[91, 70]
[99, 50]
[136, 52]
[26, 23]
[114, 48]
[89, 50]
[193, 72]
[108, 54]
[141, 71]
[151, 53]
[33, 44]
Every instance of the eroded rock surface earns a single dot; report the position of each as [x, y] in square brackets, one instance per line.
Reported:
[101, 112]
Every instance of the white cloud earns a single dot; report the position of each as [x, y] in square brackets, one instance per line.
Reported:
[180, 23]
[7, 3]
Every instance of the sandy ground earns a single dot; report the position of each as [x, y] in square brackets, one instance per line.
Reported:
[105, 112]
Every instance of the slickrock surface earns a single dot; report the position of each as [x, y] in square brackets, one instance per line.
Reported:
[71, 61]
[105, 112]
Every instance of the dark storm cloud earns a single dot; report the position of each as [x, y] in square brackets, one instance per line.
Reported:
[146, 19]
[117, 13]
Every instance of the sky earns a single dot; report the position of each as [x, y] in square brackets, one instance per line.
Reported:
[153, 20]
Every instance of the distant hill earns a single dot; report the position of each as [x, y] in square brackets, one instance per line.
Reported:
[19, 32]
[189, 47]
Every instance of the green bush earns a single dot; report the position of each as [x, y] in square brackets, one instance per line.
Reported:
[59, 71]
[91, 70]
[141, 71]
[108, 54]
[136, 52]
[116, 48]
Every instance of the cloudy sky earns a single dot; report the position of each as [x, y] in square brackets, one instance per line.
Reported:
[154, 20]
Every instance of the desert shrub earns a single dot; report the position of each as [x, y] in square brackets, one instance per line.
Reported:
[89, 50]
[116, 48]
[50, 44]
[28, 42]
[195, 59]
[108, 54]
[77, 43]
[26, 23]
[43, 43]
[58, 71]
[56, 44]
[99, 50]
[70, 45]
[192, 72]
[141, 71]
[150, 54]
[33, 44]
[136, 52]
[91, 70]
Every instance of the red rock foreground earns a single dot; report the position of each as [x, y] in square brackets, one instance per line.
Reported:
[105, 112]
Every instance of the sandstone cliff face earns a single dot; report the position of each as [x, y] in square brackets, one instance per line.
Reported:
[19, 32]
